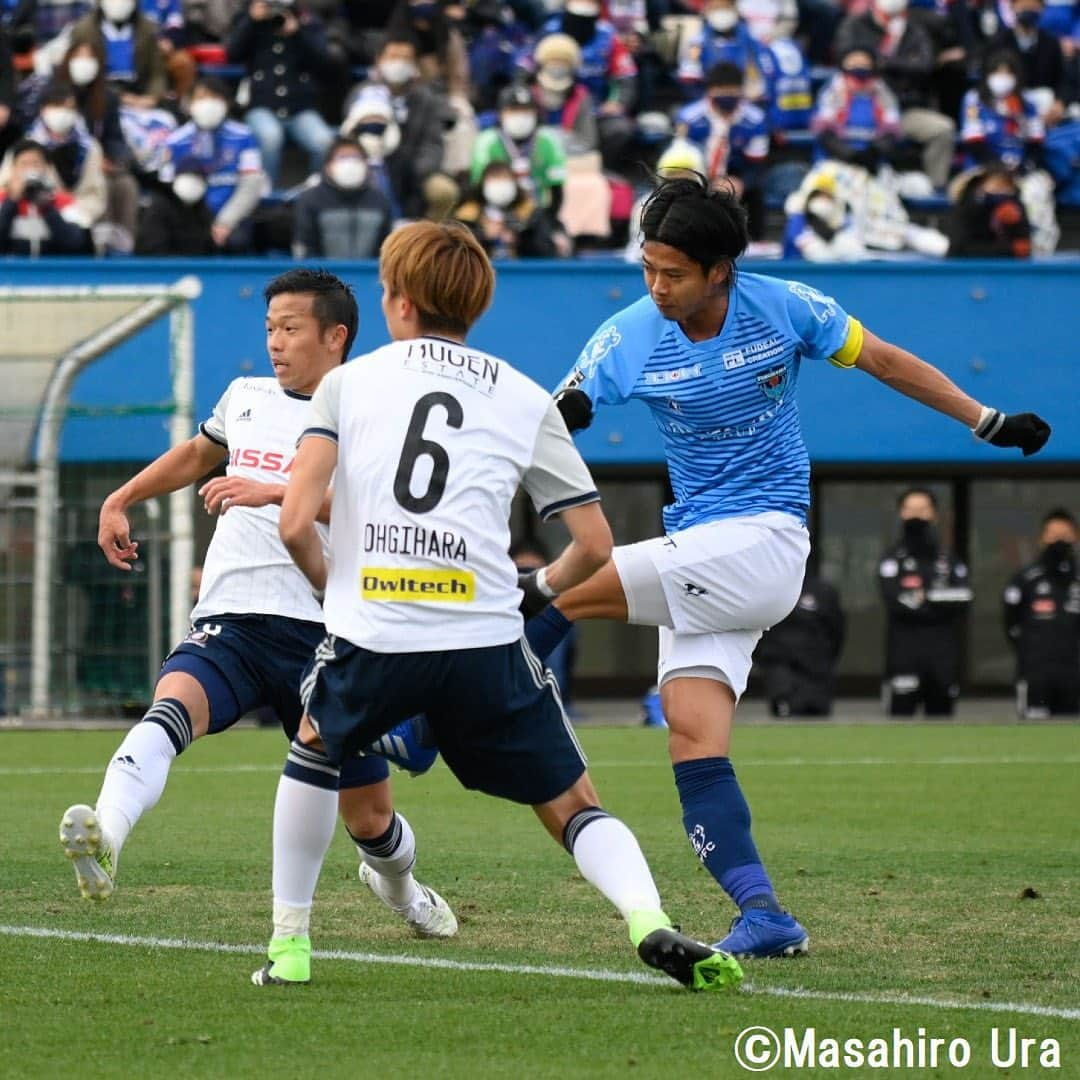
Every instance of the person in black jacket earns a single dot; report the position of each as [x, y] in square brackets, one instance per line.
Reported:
[32, 205]
[344, 216]
[177, 220]
[798, 655]
[1042, 621]
[988, 219]
[285, 53]
[926, 592]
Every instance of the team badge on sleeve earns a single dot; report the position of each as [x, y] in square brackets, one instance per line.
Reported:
[822, 307]
[597, 349]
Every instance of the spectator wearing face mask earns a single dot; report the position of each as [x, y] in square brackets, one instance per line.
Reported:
[1041, 58]
[99, 106]
[35, 208]
[177, 220]
[441, 56]
[734, 139]
[606, 67]
[74, 153]
[370, 120]
[988, 217]
[506, 221]
[494, 40]
[926, 592]
[343, 216]
[857, 119]
[419, 118]
[998, 123]
[905, 56]
[723, 39]
[284, 51]
[564, 101]
[230, 158]
[134, 64]
[1041, 606]
[820, 227]
[535, 154]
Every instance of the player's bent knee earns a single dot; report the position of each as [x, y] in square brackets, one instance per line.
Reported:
[186, 689]
[699, 713]
[555, 814]
[367, 811]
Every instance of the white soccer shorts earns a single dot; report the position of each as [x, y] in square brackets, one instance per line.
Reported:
[712, 589]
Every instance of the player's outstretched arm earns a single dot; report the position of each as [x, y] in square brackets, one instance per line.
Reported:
[308, 486]
[589, 548]
[915, 378]
[222, 493]
[175, 469]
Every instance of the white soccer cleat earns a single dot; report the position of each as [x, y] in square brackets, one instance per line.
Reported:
[89, 851]
[429, 915]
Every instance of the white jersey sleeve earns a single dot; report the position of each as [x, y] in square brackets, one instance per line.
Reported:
[557, 478]
[323, 415]
[214, 426]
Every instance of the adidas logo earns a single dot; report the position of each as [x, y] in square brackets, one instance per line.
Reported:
[245, 415]
[126, 759]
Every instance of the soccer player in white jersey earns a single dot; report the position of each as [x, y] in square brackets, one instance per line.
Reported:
[715, 355]
[256, 623]
[430, 439]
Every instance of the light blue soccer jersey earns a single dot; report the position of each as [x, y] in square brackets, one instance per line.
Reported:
[725, 407]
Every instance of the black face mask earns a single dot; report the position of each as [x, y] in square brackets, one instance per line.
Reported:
[1029, 19]
[1059, 558]
[582, 28]
[919, 536]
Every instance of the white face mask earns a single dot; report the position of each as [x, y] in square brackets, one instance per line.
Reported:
[722, 19]
[519, 124]
[83, 69]
[348, 172]
[59, 119]
[891, 7]
[988, 22]
[209, 113]
[582, 8]
[827, 210]
[117, 11]
[500, 192]
[1001, 83]
[189, 188]
[397, 72]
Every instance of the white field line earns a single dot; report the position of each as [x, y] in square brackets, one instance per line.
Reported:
[743, 763]
[594, 975]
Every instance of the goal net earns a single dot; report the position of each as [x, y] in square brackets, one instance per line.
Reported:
[76, 635]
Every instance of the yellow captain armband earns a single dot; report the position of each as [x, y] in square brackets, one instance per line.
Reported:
[849, 353]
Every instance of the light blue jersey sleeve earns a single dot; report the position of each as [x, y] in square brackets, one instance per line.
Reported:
[824, 327]
[609, 365]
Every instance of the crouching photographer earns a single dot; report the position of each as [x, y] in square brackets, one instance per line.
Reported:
[33, 203]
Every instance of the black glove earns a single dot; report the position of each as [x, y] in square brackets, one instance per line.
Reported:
[576, 409]
[534, 601]
[1025, 430]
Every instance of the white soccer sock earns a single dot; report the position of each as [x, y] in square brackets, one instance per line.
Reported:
[304, 817]
[609, 858]
[134, 780]
[394, 863]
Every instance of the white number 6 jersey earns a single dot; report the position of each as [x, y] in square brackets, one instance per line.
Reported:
[433, 439]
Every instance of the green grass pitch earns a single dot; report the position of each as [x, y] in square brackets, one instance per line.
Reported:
[907, 851]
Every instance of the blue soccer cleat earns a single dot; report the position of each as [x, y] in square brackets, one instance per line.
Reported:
[760, 933]
[409, 746]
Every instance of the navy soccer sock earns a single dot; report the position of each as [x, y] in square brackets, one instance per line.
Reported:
[545, 631]
[717, 822]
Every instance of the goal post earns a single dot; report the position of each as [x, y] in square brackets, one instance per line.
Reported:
[54, 352]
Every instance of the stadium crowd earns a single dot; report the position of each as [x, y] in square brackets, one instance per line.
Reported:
[183, 127]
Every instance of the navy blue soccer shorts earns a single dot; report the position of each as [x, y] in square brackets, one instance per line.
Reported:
[495, 712]
[248, 662]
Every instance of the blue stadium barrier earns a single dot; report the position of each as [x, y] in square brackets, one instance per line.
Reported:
[1004, 331]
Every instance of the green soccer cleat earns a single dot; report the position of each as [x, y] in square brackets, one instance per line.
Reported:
[90, 852]
[289, 962]
[690, 962]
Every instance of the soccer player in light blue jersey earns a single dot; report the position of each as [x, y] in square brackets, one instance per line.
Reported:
[715, 353]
